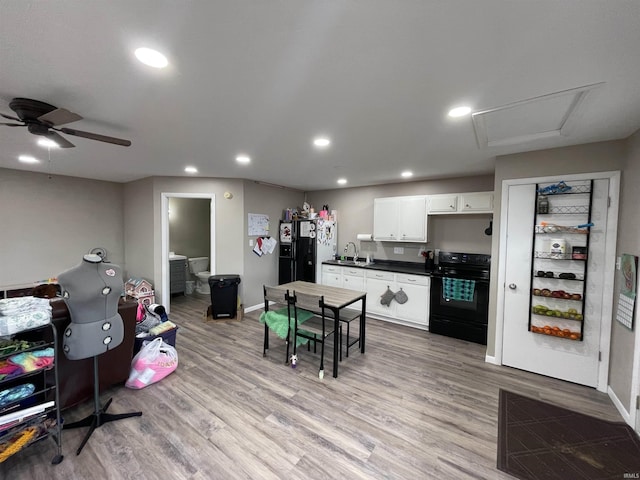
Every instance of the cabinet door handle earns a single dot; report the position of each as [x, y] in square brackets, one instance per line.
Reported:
[512, 286]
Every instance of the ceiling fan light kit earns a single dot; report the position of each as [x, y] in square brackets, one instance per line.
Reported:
[41, 118]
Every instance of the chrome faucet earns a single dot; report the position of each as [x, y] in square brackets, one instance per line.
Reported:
[355, 251]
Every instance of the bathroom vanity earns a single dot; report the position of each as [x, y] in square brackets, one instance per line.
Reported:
[177, 274]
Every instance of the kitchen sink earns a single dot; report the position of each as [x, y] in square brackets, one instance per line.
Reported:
[352, 263]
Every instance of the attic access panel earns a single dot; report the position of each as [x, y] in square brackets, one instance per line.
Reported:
[535, 118]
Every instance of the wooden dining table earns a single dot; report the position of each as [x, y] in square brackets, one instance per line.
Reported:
[335, 299]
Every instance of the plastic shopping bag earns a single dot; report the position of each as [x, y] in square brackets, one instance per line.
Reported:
[155, 360]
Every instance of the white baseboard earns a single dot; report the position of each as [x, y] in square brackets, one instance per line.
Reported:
[618, 404]
[254, 307]
[491, 359]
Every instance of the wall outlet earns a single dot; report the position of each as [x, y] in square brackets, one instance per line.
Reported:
[398, 250]
[251, 242]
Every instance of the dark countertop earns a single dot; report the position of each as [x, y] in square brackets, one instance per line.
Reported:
[412, 268]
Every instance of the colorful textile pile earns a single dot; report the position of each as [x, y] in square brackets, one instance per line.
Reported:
[26, 362]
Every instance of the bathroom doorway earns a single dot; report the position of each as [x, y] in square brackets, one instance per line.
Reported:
[188, 229]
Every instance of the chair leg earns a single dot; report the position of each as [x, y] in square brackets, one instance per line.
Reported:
[340, 342]
[286, 360]
[266, 341]
[321, 372]
[348, 325]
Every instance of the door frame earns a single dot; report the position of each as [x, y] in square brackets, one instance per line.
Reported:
[164, 208]
[609, 273]
[634, 413]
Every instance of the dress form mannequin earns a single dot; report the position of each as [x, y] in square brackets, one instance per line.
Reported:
[91, 291]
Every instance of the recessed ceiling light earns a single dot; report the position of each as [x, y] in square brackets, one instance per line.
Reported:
[45, 142]
[342, 181]
[151, 57]
[321, 142]
[28, 159]
[191, 169]
[243, 159]
[459, 111]
[407, 174]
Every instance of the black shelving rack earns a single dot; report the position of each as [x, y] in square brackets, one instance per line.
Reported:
[29, 428]
[572, 223]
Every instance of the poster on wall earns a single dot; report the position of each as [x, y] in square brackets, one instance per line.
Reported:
[258, 225]
[627, 276]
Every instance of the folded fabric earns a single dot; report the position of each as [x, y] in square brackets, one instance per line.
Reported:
[458, 289]
[16, 393]
[15, 345]
[31, 361]
[10, 324]
[17, 305]
[278, 321]
[9, 370]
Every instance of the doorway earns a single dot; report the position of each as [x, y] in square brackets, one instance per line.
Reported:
[586, 361]
[166, 199]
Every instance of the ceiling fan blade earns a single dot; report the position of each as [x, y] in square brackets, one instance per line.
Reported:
[59, 116]
[59, 139]
[13, 124]
[9, 117]
[95, 136]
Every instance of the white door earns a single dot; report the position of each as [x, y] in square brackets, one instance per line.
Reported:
[571, 360]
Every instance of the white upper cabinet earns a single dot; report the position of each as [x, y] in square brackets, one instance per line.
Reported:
[457, 203]
[400, 219]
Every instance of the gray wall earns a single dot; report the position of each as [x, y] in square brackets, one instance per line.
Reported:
[48, 224]
[594, 157]
[228, 221]
[463, 233]
[259, 271]
[139, 227]
[623, 339]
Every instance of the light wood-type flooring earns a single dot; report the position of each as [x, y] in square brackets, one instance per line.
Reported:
[414, 406]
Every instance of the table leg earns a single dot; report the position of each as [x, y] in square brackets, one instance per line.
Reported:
[336, 341]
[363, 322]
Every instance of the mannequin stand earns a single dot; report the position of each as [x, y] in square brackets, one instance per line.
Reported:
[99, 416]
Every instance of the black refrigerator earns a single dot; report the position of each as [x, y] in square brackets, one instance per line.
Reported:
[304, 245]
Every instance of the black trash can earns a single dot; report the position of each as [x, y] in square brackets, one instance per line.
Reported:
[224, 295]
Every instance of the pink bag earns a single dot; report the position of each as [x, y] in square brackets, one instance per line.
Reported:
[155, 360]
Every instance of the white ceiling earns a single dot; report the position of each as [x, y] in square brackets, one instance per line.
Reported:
[264, 77]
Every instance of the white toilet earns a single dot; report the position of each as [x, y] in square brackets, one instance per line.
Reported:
[198, 267]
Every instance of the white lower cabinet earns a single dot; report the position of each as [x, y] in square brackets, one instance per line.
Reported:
[414, 312]
[353, 279]
[376, 285]
[332, 275]
[416, 308]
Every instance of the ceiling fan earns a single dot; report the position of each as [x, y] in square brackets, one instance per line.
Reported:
[40, 118]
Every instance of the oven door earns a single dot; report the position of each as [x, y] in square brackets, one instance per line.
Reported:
[466, 318]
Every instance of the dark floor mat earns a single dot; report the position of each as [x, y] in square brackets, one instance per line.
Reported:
[540, 441]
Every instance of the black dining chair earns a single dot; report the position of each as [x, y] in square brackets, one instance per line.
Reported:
[316, 329]
[278, 302]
